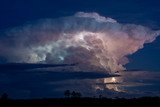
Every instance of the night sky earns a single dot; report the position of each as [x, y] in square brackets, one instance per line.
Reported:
[46, 32]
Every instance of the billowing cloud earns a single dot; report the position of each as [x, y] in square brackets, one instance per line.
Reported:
[93, 41]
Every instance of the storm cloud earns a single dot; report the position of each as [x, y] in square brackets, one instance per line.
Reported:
[94, 42]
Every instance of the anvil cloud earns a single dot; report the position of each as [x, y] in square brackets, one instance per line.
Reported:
[93, 41]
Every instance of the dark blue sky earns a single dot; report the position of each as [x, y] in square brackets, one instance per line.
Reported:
[144, 12]
[15, 12]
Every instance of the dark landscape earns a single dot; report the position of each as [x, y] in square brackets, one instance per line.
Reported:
[79, 102]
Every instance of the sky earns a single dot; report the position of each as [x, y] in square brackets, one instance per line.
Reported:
[62, 32]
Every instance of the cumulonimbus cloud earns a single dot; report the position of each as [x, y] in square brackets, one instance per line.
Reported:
[93, 41]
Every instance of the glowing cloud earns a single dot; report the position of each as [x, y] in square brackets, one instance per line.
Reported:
[93, 41]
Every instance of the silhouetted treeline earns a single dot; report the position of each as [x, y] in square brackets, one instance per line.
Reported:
[82, 102]
[73, 94]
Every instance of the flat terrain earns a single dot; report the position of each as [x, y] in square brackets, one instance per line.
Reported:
[81, 102]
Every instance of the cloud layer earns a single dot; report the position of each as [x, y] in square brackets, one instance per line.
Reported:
[93, 41]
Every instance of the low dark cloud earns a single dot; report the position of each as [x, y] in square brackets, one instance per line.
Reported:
[40, 83]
